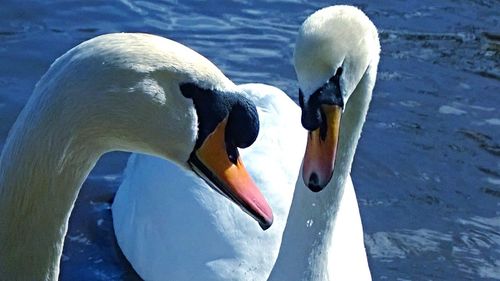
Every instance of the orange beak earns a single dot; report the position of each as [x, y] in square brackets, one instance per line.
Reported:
[230, 178]
[321, 149]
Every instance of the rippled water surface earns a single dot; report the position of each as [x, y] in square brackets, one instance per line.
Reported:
[427, 170]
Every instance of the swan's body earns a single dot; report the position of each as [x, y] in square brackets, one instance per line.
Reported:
[131, 92]
[323, 238]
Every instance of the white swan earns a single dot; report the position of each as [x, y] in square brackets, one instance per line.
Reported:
[224, 245]
[336, 59]
[131, 92]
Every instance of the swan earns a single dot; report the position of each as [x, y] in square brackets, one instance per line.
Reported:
[323, 238]
[130, 92]
[336, 59]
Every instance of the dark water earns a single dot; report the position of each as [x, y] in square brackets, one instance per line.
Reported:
[427, 170]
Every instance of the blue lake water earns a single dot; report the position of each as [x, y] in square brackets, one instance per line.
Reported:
[427, 170]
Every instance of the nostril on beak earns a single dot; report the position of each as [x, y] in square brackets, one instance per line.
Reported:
[313, 184]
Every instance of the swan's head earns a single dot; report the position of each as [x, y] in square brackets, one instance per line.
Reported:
[334, 49]
[148, 94]
[226, 122]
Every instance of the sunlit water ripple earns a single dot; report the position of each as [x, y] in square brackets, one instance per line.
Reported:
[427, 171]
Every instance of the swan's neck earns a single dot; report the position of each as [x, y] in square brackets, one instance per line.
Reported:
[311, 221]
[41, 171]
[79, 110]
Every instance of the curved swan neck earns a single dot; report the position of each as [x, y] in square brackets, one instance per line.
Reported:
[41, 171]
[311, 221]
[114, 92]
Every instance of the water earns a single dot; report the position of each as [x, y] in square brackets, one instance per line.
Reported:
[427, 170]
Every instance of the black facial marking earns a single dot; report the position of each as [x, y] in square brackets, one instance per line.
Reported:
[323, 126]
[301, 98]
[243, 123]
[339, 72]
[329, 93]
[212, 106]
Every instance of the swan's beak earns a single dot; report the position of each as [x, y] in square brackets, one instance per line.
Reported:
[230, 178]
[321, 149]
